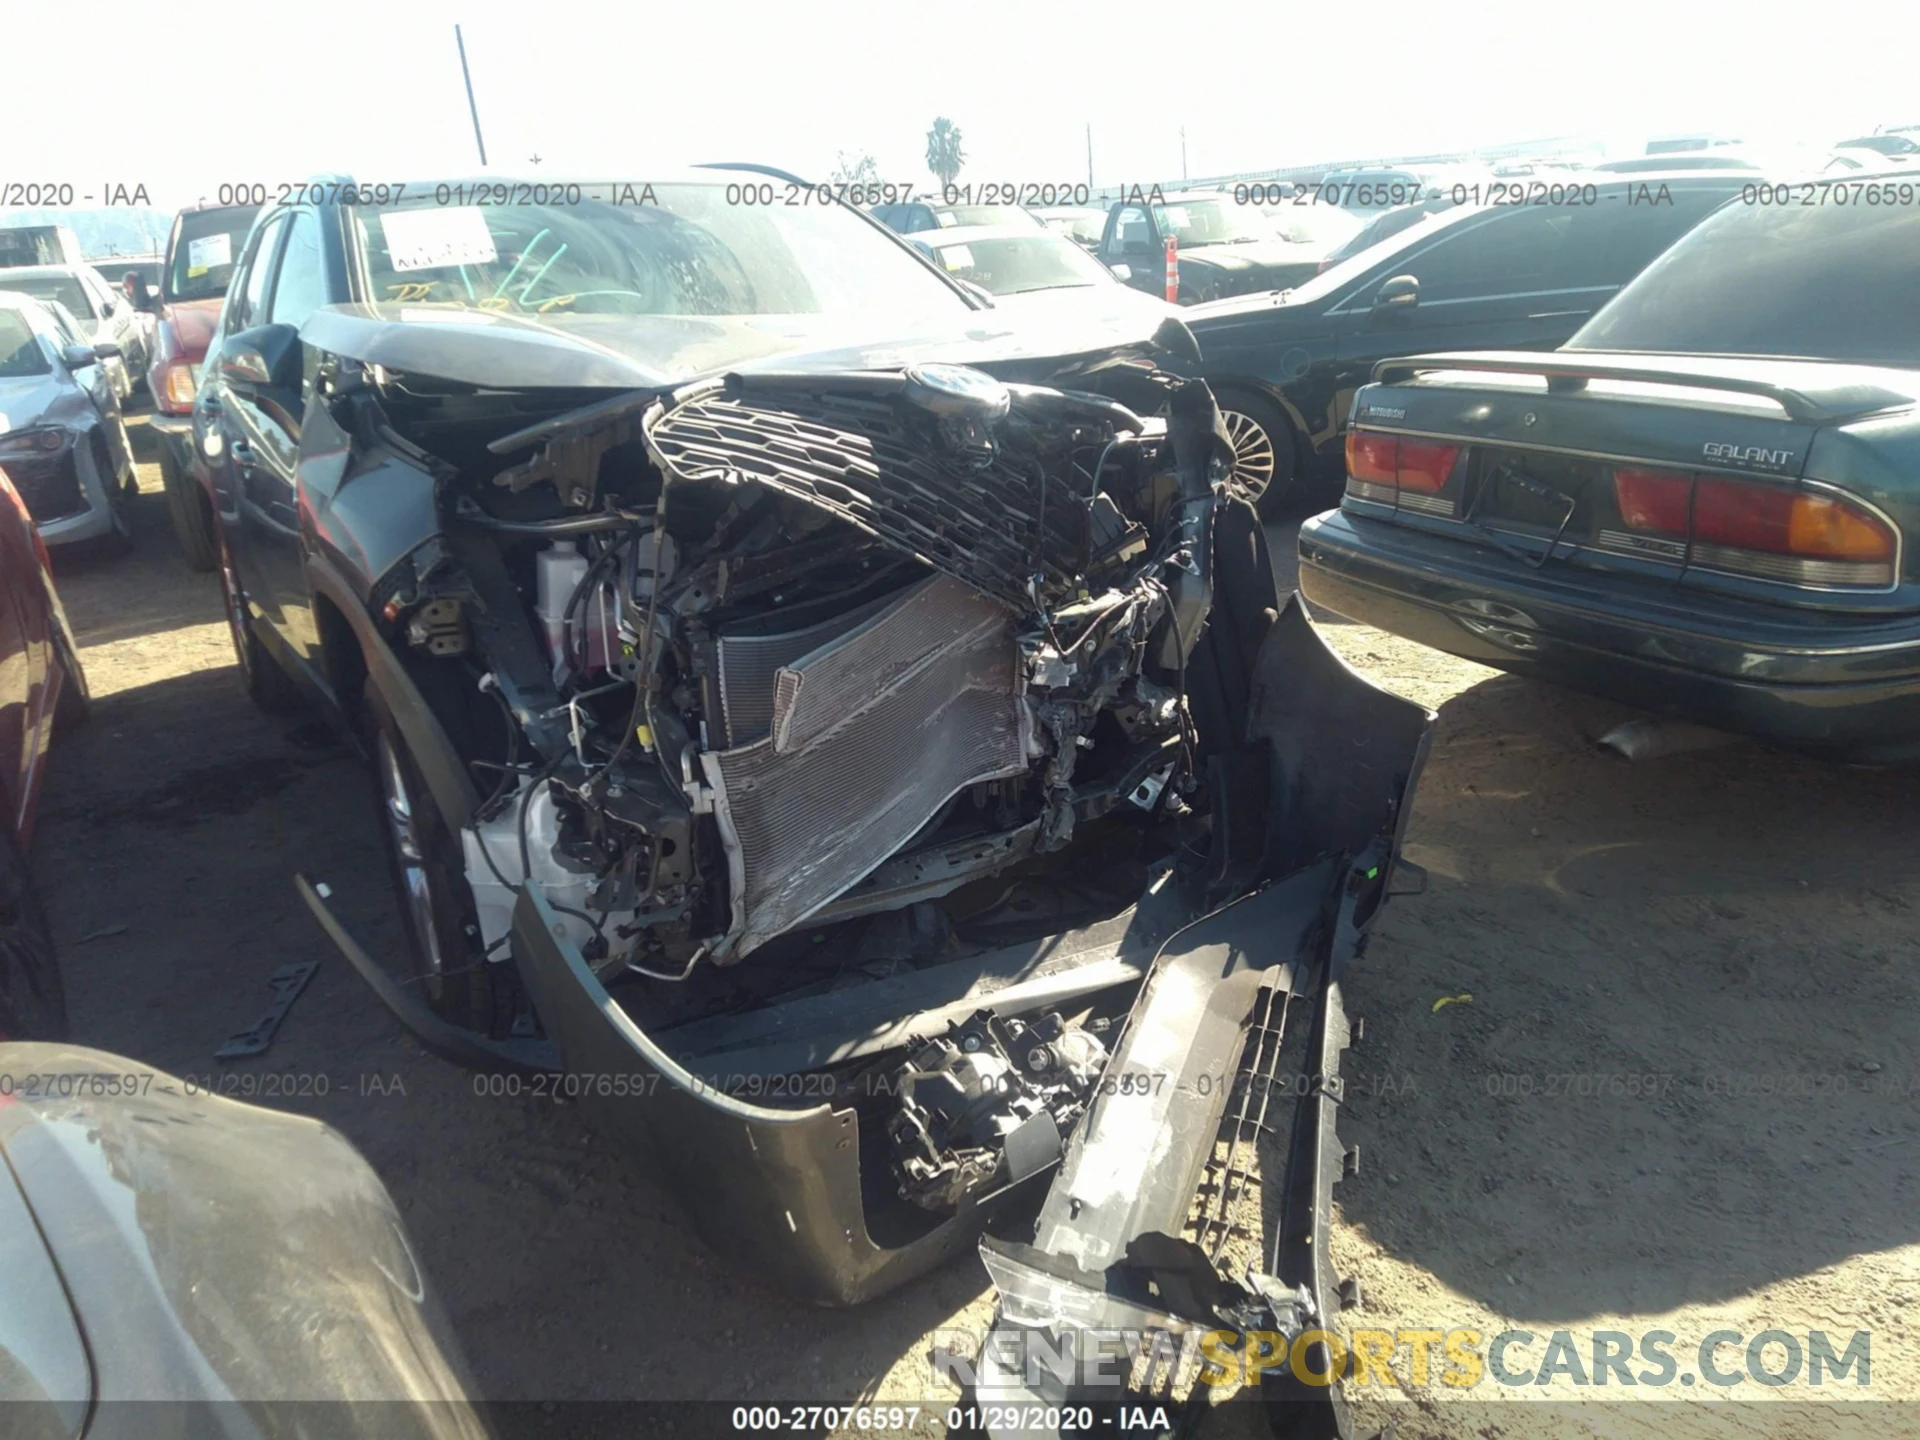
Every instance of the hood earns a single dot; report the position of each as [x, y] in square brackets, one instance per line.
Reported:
[662, 351]
[39, 400]
[190, 324]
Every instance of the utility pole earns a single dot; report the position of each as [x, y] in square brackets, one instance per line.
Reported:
[1089, 155]
[472, 108]
[1183, 154]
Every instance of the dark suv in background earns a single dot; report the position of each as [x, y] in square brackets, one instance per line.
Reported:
[1284, 366]
[205, 241]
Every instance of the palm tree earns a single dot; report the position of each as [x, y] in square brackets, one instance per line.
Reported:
[944, 155]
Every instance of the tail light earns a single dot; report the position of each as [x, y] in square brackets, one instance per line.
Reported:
[177, 388]
[1387, 468]
[1654, 501]
[1803, 536]
[1773, 532]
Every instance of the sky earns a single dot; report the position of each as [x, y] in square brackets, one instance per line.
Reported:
[182, 99]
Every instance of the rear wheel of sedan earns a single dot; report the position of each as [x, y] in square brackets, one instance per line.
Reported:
[1263, 454]
[267, 685]
[33, 1003]
[447, 964]
[191, 513]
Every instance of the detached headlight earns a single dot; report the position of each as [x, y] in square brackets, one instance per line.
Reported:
[33, 442]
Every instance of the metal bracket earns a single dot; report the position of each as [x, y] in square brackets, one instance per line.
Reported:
[286, 983]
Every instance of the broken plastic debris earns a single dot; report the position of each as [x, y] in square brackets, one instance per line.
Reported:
[1446, 1000]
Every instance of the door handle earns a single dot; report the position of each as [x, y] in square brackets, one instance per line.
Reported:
[242, 454]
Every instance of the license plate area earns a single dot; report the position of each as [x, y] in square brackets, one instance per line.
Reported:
[1545, 504]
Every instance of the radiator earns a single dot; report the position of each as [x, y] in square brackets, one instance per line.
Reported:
[868, 736]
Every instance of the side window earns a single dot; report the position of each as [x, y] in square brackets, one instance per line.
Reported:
[244, 300]
[1512, 252]
[302, 286]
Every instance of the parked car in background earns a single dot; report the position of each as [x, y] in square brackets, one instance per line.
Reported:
[1366, 190]
[201, 250]
[62, 442]
[234, 1268]
[909, 217]
[1388, 223]
[43, 694]
[1028, 270]
[1285, 367]
[1666, 164]
[1223, 247]
[37, 244]
[107, 318]
[885, 514]
[1704, 504]
[1321, 230]
[1082, 226]
[137, 277]
[1888, 146]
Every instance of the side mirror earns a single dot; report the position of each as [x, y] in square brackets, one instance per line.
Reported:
[78, 357]
[266, 357]
[105, 350]
[136, 290]
[109, 308]
[1400, 293]
[1121, 272]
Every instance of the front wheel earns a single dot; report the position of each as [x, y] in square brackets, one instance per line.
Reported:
[1263, 452]
[447, 965]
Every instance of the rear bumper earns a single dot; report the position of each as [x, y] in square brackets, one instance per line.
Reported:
[1845, 688]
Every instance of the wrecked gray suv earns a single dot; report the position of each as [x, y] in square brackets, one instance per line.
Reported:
[851, 736]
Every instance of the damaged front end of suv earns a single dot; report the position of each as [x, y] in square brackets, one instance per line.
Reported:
[887, 789]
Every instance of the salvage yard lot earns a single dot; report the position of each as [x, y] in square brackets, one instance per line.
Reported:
[1731, 931]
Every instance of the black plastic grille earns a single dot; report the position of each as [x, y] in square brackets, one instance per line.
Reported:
[48, 485]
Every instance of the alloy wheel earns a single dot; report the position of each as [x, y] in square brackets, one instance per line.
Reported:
[1253, 457]
[409, 857]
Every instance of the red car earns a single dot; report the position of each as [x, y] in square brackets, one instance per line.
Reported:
[42, 691]
[205, 242]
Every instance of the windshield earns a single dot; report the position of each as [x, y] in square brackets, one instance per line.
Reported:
[1014, 265]
[678, 250]
[1824, 282]
[66, 289]
[1209, 222]
[20, 352]
[200, 262]
[950, 216]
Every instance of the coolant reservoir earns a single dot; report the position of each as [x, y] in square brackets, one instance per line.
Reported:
[557, 570]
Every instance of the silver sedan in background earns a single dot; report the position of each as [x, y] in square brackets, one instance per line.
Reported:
[62, 441]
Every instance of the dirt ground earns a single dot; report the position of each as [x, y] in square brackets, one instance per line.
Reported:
[1679, 1097]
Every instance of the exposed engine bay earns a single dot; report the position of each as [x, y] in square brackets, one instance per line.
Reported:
[810, 682]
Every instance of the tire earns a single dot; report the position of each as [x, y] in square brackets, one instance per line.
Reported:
[268, 686]
[445, 963]
[33, 1003]
[191, 513]
[1265, 459]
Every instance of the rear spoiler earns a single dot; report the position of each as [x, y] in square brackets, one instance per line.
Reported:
[1846, 397]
